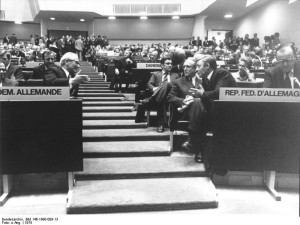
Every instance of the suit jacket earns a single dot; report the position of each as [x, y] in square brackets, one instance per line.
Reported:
[274, 77]
[180, 89]
[14, 70]
[56, 76]
[220, 78]
[156, 79]
[38, 72]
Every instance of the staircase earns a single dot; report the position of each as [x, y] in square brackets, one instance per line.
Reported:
[128, 166]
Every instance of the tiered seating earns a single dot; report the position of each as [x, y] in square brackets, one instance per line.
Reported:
[127, 166]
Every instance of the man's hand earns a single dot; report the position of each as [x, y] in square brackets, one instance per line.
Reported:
[188, 100]
[193, 91]
[154, 88]
[80, 79]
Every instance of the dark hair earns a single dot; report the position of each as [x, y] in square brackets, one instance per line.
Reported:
[163, 59]
[44, 53]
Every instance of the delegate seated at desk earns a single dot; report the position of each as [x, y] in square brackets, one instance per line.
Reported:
[66, 75]
[13, 73]
[197, 97]
[244, 74]
[39, 71]
[287, 73]
[160, 85]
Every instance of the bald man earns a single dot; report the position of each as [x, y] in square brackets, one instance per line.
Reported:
[287, 73]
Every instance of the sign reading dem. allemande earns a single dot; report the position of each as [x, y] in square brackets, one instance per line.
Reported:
[34, 93]
[260, 94]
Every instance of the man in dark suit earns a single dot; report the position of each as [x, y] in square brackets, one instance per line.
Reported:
[287, 73]
[67, 74]
[13, 73]
[6, 39]
[39, 71]
[254, 41]
[194, 97]
[159, 84]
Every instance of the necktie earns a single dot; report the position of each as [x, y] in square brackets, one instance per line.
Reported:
[165, 79]
[205, 83]
[287, 81]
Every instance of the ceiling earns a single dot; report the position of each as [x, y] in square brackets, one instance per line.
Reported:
[237, 8]
[216, 11]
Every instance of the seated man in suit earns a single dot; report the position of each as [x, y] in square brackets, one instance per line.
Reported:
[194, 97]
[287, 73]
[67, 74]
[39, 71]
[160, 85]
[13, 73]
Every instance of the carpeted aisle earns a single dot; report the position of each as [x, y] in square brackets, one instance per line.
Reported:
[127, 166]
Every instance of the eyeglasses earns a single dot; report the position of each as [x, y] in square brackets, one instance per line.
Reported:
[285, 60]
[48, 59]
[77, 62]
[188, 67]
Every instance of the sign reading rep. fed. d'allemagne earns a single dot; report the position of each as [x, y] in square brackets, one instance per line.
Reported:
[260, 94]
[34, 93]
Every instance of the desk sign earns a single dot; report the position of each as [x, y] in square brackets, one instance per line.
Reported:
[148, 66]
[34, 93]
[260, 94]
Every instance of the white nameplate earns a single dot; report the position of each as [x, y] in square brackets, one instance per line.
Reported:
[260, 94]
[34, 93]
[148, 66]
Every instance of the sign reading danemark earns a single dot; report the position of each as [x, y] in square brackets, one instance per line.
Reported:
[34, 93]
[260, 94]
[148, 66]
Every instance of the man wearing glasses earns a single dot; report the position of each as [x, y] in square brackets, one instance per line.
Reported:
[287, 73]
[39, 71]
[67, 74]
[194, 96]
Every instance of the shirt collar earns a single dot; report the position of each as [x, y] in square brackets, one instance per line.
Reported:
[7, 66]
[66, 72]
[210, 75]
[290, 74]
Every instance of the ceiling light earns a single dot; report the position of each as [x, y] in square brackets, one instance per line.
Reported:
[292, 1]
[143, 17]
[250, 2]
[111, 17]
[82, 20]
[18, 22]
[228, 16]
[175, 17]
[52, 18]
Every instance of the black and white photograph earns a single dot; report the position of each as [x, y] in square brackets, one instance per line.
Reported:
[149, 111]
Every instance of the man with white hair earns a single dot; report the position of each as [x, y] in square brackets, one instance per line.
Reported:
[195, 96]
[67, 74]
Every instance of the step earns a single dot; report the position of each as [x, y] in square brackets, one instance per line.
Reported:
[83, 95]
[140, 167]
[94, 85]
[92, 88]
[112, 196]
[107, 109]
[103, 98]
[108, 103]
[97, 82]
[126, 148]
[109, 116]
[124, 134]
[95, 91]
[112, 124]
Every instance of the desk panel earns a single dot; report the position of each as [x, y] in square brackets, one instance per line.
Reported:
[256, 136]
[40, 137]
